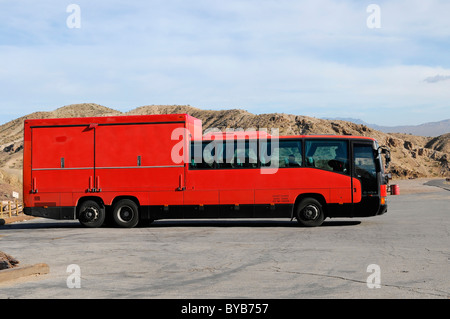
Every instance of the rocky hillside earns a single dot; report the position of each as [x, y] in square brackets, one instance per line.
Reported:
[412, 156]
[440, 143]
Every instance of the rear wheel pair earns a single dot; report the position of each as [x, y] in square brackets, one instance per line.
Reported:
[125, 213]
[309, 212]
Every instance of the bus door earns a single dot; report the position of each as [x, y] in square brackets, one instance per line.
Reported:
[365, 170]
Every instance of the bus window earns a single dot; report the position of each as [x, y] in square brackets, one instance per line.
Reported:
[202, 155]
[239, 154]
[224, 154]
[290, 153]
[330, 155]
[268, 155]
[246, 154]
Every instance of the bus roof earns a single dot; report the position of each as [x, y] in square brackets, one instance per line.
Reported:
[151, 118]
[229, 135]
[175, 118]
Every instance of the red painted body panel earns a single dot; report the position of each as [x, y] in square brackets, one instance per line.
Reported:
[117, 155]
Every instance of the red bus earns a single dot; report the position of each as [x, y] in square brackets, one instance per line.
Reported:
[149, 167]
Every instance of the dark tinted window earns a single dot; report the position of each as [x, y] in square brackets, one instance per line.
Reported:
[244, 154]
[224, 154]
[284, 153]
[329, 155]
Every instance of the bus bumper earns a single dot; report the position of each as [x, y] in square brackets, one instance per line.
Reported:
[382, 210]
[51, 212]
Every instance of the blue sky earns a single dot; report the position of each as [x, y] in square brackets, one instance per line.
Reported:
[316, 58]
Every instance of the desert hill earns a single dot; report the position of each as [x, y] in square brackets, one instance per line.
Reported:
[440, 143]
[412, 156]
[12, 132]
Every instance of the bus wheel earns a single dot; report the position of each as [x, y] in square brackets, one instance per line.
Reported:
[126, 213]
[91, 214]
[309, 212]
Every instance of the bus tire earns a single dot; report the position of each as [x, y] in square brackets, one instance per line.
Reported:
[309, 212]
[91, 214]
[126, 213]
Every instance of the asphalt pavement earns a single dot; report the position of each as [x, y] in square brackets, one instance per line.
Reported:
[402, 254]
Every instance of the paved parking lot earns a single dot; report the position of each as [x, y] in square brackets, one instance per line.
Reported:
[406, 253]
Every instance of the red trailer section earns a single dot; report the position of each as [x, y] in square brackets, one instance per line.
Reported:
[151, 167]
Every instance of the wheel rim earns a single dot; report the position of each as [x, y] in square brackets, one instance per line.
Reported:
[90, 214]
[310, 212]
[125, 214]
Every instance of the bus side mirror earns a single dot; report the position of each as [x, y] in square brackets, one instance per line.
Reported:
[387, 154]
[388, 177]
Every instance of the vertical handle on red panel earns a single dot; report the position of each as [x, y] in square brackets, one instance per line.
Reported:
[34, 186]
[90, 185]
[97, 184]
[180, 183]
